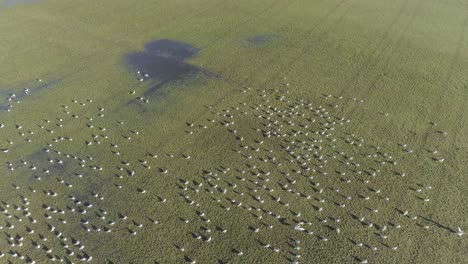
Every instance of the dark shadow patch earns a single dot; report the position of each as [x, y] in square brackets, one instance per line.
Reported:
[41, 161]
[163, 65]
[260, 39]
[163, 62]
[18, 93]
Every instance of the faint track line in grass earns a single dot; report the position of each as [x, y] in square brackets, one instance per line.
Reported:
[448, 76]
[391, 50]
[456, 54]
[455, 58]
[383, 41]
[295, 60]
[307, 48]
[369, 91]
[460, 116]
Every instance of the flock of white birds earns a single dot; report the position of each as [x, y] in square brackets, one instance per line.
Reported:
[294, 172]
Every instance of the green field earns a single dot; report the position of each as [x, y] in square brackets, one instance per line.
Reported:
[267, 131]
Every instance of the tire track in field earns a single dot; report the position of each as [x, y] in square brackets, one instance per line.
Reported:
[233, 40]
[389, 47]
[445, 84]
[307, 48]
[460, 115]
[455, 58]
[449, 76]
[276, 57]
[378, 50]
[392, 48]
[294, 60]
[446, 81]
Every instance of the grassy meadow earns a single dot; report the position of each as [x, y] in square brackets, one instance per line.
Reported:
[245, 102]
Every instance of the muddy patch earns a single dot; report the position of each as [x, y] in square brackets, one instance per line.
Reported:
[163, 62]
[259, 40]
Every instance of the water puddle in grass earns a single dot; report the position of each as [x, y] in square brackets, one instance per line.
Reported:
[260, 39]
[163, 62]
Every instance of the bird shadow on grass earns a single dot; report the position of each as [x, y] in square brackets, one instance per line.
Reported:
[438, 224]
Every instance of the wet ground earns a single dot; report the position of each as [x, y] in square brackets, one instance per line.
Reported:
[163, 62]
[11, 95]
